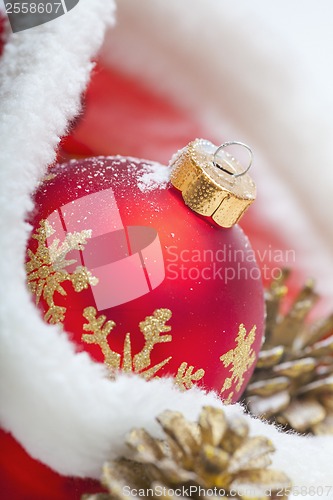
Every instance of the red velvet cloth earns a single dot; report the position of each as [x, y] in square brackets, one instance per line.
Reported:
[22, 478]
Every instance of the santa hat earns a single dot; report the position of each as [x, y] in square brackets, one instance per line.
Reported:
[233, 72]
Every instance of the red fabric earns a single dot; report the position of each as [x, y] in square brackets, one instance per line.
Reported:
[121, 117]
[2, 29]
[22, 478]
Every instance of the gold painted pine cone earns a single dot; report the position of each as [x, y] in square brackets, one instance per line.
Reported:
[213, 454]
[293, 380]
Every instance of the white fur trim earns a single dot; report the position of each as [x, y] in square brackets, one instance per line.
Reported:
[58, 404]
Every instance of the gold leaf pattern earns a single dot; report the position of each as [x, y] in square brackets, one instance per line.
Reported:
[152, 329]
[101, 329]
[46, 268]
[185, 376]
[240, 359]
[49, 177]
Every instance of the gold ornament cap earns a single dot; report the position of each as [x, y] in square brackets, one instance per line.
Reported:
[213, 183]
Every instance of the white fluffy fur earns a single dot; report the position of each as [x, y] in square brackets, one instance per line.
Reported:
[58, 404]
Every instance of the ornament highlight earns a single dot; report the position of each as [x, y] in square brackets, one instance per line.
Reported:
[139, 280]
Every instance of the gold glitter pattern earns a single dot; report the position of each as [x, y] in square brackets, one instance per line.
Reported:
[152, 328]
[240, 359]
[49, 177]
[46, 269]
[185, 376]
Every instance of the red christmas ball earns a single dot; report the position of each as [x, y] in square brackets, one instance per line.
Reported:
[139, 280]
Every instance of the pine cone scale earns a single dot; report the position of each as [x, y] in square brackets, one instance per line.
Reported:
[269, 406]
[259, 482]
[270, 357]
[213, 425]
[269, 387]
[296, 368]
[302, 414]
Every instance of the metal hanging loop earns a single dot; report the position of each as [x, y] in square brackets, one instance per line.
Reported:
[232, 143]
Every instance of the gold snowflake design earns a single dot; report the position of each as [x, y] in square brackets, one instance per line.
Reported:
[239, 359]
[46, 268]
[154, 330]
[46, 272]
[185, 377]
